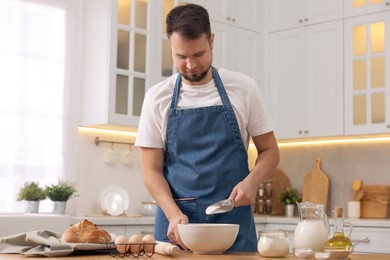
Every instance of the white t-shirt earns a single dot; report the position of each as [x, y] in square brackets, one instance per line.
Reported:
[244, 95]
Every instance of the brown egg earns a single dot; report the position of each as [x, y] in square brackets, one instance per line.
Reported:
[121, 244]
[135, 242]
[148, 241]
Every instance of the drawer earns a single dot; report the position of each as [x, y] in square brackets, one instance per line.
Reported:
[378, 240]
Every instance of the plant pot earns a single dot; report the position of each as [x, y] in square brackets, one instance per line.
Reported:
[31, 206]
[290, 210]
[59, 207]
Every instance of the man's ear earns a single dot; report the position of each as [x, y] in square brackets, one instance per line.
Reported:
[212, 40]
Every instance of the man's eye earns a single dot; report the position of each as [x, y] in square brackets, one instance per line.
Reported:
[199, 54]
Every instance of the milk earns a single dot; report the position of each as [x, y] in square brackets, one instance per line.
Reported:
[310, 234]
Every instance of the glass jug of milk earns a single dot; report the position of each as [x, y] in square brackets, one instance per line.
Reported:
[313, 228]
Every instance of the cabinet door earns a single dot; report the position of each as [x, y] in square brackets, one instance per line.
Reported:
[240, 13]
[377, 240]
[141, 230]
[362, 7]
[236, 49]
[367, 70]
[287, 14]
[323, 69]
[285, 82]
[218, 10]
[305, 81]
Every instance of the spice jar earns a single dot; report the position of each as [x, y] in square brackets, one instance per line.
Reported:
[268, 206]
[268, 190]
[273, 244]
[261, 190]
[260, 206]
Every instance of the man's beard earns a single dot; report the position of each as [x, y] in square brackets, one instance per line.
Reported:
[196, 78]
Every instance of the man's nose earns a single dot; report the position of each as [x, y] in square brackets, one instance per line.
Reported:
[190, 64]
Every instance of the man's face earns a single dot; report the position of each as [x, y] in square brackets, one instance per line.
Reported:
[192, 58]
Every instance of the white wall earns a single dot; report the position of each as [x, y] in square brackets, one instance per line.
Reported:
[341, 162]
[95, 175]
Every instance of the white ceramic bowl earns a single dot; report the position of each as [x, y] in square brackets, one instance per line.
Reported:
[208, 238]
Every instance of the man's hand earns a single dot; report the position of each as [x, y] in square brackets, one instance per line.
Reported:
[244, 193]
[173, 232]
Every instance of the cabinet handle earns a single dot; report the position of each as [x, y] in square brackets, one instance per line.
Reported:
[306, 19]
[233, 20]
[306, 131]
[300, 132]
[388, 126]
[300, 20]
[228, 18]
[387, 3]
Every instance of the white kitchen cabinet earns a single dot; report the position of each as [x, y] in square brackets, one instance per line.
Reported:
[362, 7]
[367, 70]
[241, 13]
[304, 88]
[237, 49]
[287, 14]
[139, 229]
[117, 61]
[112, 229]
[378, 239]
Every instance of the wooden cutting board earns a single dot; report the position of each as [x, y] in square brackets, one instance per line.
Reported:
[316, 186]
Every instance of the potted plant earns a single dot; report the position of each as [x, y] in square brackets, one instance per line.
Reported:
[60, 193]
[31, 193]
[290, 197]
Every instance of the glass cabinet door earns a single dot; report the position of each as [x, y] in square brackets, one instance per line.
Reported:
[361, 7]
[131, 73]
[367, 74]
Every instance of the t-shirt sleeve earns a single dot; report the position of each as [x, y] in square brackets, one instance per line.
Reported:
[150, 125]
[259, 120]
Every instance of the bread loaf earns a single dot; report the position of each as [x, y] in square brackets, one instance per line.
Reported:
[85, 232]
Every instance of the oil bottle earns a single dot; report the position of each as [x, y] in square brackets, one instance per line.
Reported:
[339, 240]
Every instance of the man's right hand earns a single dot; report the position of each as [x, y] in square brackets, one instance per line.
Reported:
[173, 231]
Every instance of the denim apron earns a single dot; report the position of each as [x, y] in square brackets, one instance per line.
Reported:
[204, 159]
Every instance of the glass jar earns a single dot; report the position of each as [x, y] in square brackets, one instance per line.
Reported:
[273, 244]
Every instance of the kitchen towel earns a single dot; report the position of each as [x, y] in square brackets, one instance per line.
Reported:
[42, 242]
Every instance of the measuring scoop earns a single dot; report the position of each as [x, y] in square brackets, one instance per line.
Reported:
[222, 206]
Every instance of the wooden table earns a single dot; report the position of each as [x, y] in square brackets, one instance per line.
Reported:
[187, 255]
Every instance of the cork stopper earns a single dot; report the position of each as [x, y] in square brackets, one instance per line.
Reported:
[338, 212]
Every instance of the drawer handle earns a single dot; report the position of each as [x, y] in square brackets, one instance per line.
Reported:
[355, 242]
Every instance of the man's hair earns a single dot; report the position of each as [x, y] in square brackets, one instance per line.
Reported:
[191, 21]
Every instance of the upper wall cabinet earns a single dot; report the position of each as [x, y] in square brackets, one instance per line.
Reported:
[240, 13]
[125, 52]
[237, 49]
[361, 7]
[305, 86]
[117, 35]
[367, 74]
[287, 14]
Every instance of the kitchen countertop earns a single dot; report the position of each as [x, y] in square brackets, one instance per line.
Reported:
[187, 255]
[259, 219]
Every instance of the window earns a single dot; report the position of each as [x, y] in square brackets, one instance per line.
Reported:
[40, 61]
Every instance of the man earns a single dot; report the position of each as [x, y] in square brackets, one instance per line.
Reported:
[194, 133]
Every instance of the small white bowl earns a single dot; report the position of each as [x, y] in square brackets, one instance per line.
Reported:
[303, 253]
[148, 208]
[208, 238]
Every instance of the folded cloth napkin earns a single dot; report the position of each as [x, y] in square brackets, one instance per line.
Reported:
[42, 242]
